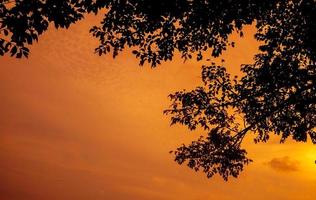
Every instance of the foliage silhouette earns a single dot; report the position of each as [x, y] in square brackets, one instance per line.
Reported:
[276, 94]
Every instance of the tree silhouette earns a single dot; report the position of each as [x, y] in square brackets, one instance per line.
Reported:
[276, 94]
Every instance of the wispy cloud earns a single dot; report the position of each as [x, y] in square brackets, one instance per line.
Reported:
[284, 164]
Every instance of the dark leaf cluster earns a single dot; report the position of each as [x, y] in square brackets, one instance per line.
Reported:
[216, 154]
[23, 21]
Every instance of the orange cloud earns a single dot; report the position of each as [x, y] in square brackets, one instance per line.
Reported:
[284, 164]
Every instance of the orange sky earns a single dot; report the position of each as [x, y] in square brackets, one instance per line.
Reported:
[74, 125]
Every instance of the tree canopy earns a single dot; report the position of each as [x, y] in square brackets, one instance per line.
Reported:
[275, 95]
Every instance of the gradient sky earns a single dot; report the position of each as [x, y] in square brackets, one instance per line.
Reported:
[74, 125]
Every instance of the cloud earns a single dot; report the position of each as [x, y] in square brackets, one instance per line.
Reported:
[284, 164]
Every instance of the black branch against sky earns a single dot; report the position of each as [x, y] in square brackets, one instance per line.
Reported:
[275, 95]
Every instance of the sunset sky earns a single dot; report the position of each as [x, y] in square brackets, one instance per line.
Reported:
[76, 126]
